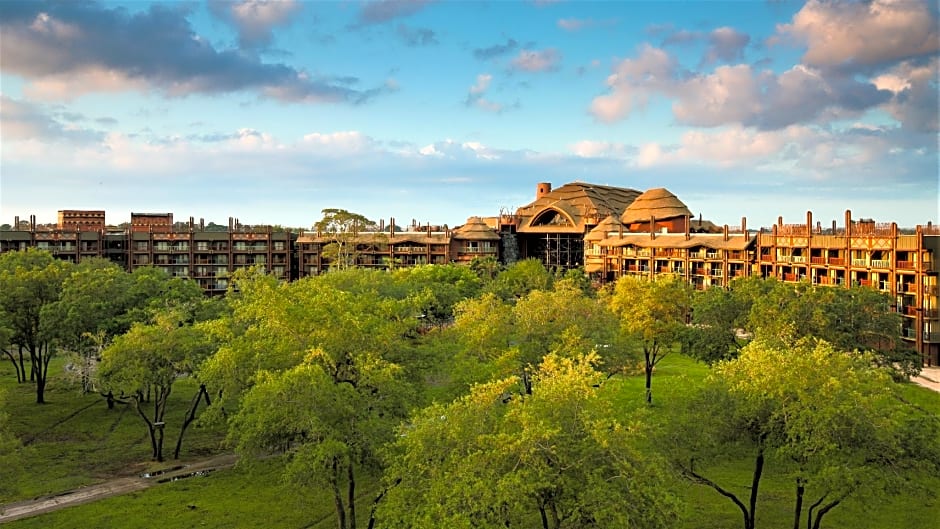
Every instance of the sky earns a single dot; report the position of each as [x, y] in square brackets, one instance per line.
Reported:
[271, 111]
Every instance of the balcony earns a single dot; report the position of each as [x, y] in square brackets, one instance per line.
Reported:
[932, 336]
[910, 310]
[717, 272]
[837, 261]
[860, 262]
[711, 255]
[701, 271]
[789, 277]
[798, 259]
[767, 258]
[817, 260]
[864, 282]
[906, 265]
[880, 263]
[823, 280]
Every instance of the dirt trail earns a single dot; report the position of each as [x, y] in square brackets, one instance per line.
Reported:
[111, 487]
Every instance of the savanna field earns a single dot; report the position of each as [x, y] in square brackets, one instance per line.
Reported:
[443, 397]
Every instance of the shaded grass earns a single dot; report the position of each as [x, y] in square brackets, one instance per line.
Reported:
[255, 496]
[75, 440]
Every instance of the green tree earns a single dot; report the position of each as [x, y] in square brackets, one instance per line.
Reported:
[342, 228]
[520, 278]
[829, 419]
[491, 461]
[29, 281]
[437, 289]
[718, 318]
[652, 314]
[144, 364]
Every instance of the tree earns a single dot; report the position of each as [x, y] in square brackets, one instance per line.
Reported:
[498, 339]
[147, 361]
[29, 281]
[491, 461]
[520, 278]
[853, 319]
[828, 418]
[342, 228]
[437, 289]
[652, 313]
[717, 317]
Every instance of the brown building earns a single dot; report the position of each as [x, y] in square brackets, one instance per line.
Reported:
[386, 248]
[151, 222]
[81, 220]
[862, 252]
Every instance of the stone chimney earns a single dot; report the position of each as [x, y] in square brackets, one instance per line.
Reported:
[542, 189]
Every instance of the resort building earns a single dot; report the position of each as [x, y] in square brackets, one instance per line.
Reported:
[609, 231]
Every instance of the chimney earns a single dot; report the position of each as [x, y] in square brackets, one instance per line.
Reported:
[542, 189]
[744, 226]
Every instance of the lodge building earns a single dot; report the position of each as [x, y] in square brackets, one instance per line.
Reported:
[608, 231]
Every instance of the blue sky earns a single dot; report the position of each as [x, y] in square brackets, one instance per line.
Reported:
[270, 111]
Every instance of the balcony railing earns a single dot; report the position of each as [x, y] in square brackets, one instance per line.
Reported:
[767, 258]
[907, 265]
[859, 262]
[817, 260]
[837, 261]
[797, 258]
[932, 336]
[880, 263]
[711, 255]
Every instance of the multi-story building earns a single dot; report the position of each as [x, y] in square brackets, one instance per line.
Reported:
[862, 252]
[390, 247]
[609, 231]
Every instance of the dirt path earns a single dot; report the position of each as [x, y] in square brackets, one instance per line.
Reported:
[929, 378]
[111, 487]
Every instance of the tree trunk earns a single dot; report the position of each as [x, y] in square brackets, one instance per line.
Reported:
[20, 375]
[702, 480]
[337, 497]
[351, 494]
[543, 515]
[798, 509]
[150, 429]
[822, 512]
[190, 417]
[649, 376]
[755, 482]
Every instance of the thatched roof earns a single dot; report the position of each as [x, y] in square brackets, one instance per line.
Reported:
[657, 202]
[475, 230]
[577, 206]
[609, 224]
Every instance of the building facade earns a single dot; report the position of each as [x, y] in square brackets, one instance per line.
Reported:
[609, 231]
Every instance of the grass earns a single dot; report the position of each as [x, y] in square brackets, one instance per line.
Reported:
[96, 442]
[75, 440]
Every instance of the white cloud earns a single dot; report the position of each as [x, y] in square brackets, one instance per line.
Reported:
[860, 34]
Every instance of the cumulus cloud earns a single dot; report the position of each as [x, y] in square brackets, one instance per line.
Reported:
[537, 61]
[726, 44]
[914, 91]
[255, 20]
[496, 50]
[24, 121]
[64, 50]
[860, 35]
[379, 11]
[733, 94]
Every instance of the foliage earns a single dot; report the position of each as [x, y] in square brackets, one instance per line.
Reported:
[557, 455]
[498, 339]
[830, 420]
[342, 228]
[851, 319]
[520, 278]
[653, 314]
[144, 364]
[30, 281]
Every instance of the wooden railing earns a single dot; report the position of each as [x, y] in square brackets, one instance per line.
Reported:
[837, 261]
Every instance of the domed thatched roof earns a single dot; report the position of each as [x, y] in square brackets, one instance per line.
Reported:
[476, 230]
[659, 203]
[573, 207]
[599, 232]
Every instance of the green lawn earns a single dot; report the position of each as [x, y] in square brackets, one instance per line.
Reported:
[97, 442]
